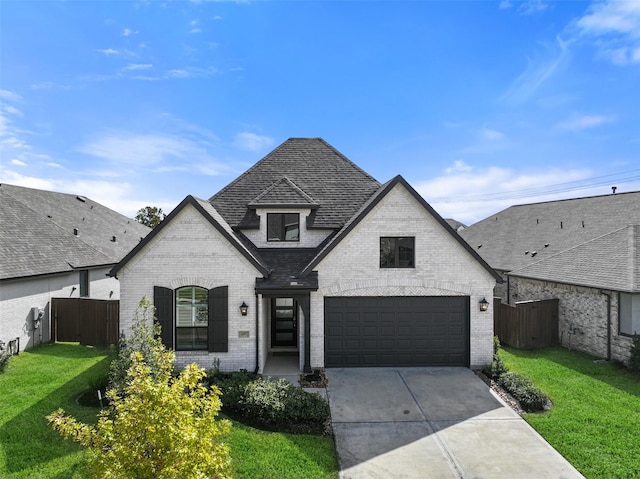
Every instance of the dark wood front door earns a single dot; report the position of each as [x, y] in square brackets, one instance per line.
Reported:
[284, 322]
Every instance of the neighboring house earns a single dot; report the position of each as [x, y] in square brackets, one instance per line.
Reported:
[55, 245]
[585, 252]
[306, 254]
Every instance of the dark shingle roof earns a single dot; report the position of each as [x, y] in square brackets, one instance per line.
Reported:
[37, 232]
[610, 262]
[285, 265]
[509, 239]
[324, 174]
[283, 193]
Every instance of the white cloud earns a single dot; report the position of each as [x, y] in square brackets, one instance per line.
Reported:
[458, 166]
[531, 7]
[139, 149]
[18, 163]
[468, 197]
[614, 28]
[538, 71]
[178, 73]
[138, 66]
[128, 32]
[491, 135]
[108, 51]
[13, 110]
[504, 4]
[9, 95]
[582, 122]
[251, 141]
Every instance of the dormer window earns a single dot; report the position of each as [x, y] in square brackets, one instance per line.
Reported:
[283, 227]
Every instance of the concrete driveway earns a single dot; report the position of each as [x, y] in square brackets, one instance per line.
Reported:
[432, 423]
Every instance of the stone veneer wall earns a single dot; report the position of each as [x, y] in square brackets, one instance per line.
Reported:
[582, 315]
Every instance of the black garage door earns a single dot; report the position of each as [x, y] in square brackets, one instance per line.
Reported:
[396, 331]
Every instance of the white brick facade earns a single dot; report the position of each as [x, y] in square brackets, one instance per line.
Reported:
[443, 268]
[189, 251]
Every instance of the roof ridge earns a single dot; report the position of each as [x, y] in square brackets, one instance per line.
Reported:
[572, 199]
[291, 183]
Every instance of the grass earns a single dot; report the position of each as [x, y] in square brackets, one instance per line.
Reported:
[43, 379]
[596, 415]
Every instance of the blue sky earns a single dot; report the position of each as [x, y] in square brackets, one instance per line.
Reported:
[478, 104]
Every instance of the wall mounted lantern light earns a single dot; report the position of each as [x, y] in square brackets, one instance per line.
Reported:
[484, 304]
[244, 308]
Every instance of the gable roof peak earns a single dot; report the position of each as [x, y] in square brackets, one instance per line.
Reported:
[283, 193]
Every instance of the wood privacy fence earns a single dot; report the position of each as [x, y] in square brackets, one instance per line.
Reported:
[91, 322]
[527, 325]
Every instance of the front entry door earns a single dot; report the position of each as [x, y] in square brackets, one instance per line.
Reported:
[284, 322]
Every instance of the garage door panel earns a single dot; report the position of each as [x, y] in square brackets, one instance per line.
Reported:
[397, 331]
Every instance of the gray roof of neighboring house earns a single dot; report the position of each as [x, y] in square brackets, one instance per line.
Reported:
[525, 234]
[611, 261]
[37, 233]
[322, 173]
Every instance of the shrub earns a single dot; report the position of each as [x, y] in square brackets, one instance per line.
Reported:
[272, 405]
[531, 398]
[497, 366]
[160, 427]
[144, 339]
[4, 360]
[634, 359]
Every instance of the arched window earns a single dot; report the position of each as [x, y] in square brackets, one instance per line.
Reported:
[192, 318]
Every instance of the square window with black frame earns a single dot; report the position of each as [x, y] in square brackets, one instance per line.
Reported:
[397, 252]
[283, 227]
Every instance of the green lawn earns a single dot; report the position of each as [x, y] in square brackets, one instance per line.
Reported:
[595, 421]
[43, 379]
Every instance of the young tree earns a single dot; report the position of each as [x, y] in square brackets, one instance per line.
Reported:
[150, 216]
[157, 427]
[144, 338]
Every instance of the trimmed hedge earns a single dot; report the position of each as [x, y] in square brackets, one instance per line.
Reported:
[529, 396]
[271, 405]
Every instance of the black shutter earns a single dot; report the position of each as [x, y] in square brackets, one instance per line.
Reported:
[163, 301]
[219, 319]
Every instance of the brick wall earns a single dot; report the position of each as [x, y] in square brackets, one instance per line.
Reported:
[582, 315]
[190, 251]
[443, 268]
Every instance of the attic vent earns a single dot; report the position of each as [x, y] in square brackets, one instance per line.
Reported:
[75, 231]
[526, 252]
[561, 225]
[49, 216]
[533, 253]
[537, 221]
[81, 198]
[583, 224]
[479, 246]
[114, 239]
[546, 245]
